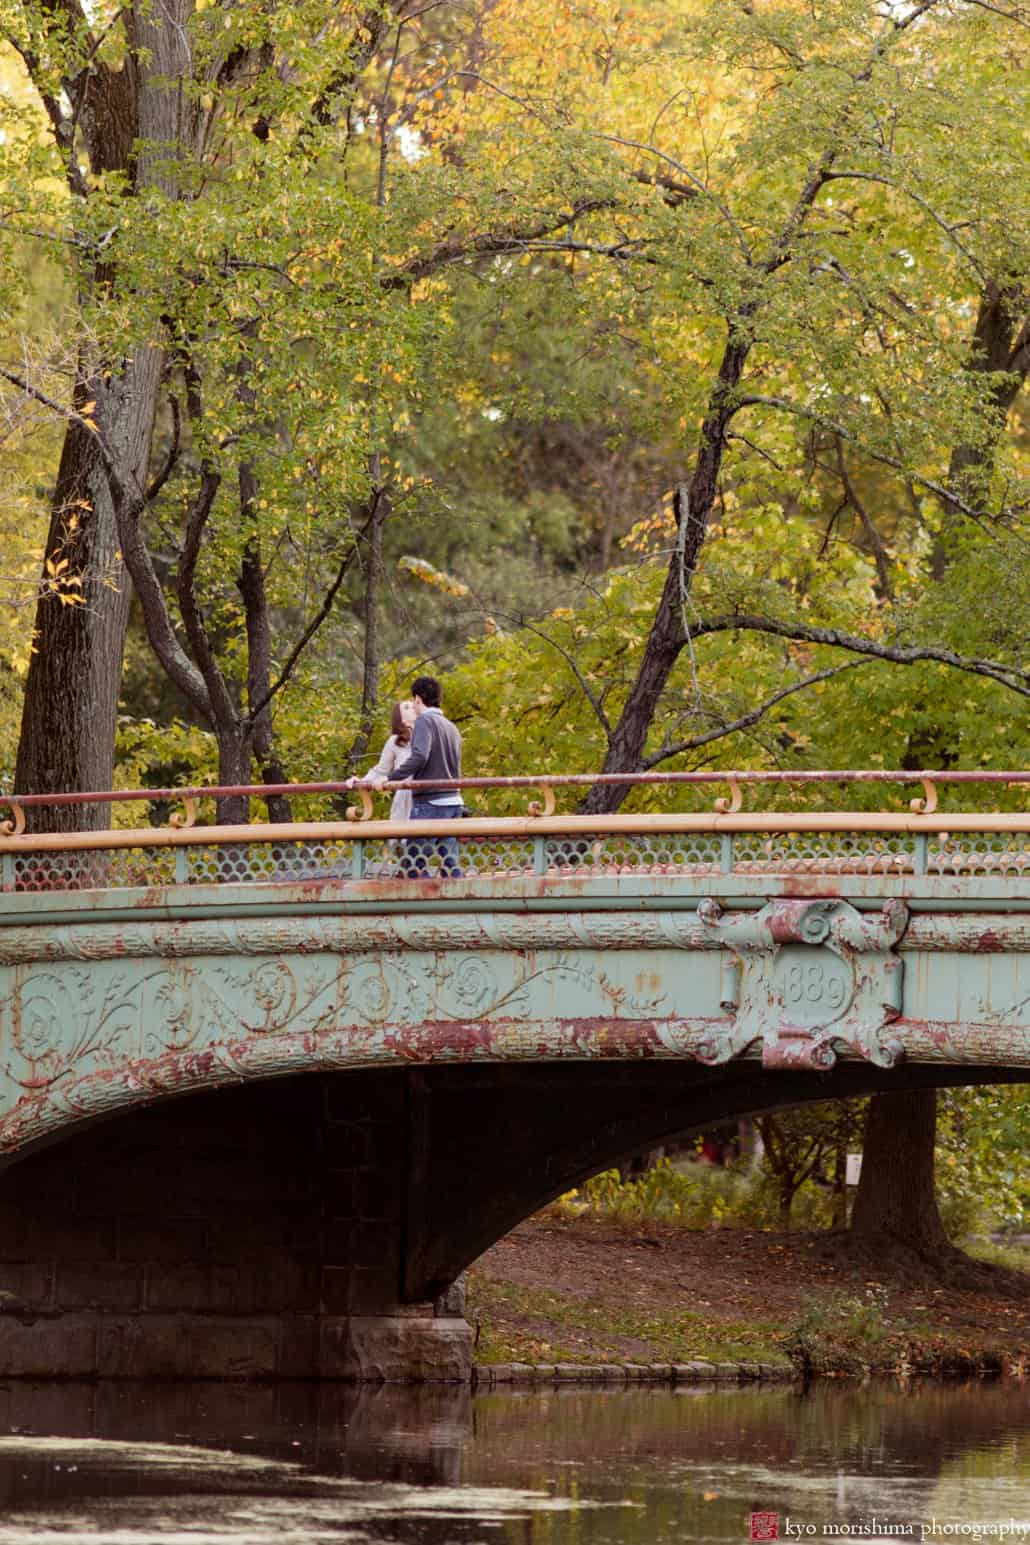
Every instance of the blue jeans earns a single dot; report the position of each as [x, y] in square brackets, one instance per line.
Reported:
[419, 850]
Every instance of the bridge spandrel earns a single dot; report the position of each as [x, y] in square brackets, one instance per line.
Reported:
[112, 1016]
[142, 963]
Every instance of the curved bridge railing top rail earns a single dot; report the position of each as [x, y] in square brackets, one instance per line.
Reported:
[917, 837]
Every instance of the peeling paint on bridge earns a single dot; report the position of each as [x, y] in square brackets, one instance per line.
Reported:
[345, 1047]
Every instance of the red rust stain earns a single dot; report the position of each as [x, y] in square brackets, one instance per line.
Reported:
[939, 1035]
[988, 942]
[806, 887]
[441, 1038]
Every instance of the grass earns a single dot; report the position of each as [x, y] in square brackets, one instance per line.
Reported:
[535, 1325]
[1015, 1256]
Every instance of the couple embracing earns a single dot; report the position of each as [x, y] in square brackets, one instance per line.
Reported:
[433, 753]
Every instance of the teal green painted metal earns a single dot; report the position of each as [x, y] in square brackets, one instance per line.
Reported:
[137, 966]
[109, 999]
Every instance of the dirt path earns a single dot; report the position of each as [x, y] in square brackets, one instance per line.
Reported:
[580, 1290]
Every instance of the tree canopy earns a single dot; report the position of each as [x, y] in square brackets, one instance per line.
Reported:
[678, 346]
[654, 369]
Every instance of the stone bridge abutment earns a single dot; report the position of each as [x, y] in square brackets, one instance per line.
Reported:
[307, 1226]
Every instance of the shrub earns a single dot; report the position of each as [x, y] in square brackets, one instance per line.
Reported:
[841, 1333]
[697, 1196]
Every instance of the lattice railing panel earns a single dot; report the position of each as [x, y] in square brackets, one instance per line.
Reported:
[632, 853]
[979, 853]
[493, 856]
[271, 862]
[800, 852]
[451, 855]
[93, 869]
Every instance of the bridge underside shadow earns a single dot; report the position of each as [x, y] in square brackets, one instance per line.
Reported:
[302, 1227]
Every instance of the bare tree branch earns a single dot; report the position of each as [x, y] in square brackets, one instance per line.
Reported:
[868, 524]
[747, 720]
[695, 183]
[588, 692]
[948, 496]
[886, 182]
[189, 609]
[310, 631]
[489, 243]
[1006, 675]
[160, 478]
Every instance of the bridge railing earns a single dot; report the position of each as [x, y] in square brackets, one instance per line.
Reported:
[725, 839]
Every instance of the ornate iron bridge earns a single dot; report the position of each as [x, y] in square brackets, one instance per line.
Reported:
[140, 961]
[433, 1028]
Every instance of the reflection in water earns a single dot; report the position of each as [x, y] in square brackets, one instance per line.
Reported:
[309, 1463]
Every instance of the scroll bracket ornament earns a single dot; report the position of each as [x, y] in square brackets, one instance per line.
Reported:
[807, 979]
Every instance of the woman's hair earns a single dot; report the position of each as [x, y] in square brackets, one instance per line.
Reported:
[398, 727]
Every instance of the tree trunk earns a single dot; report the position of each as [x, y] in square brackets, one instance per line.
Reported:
[668, 633]
[1000, 346]
[901, 1203]
[71, 694]
[233, 768]
[251, 585]
[378, 514]
[786, 1203]
[840, 1188]
[69, 711]
[896, 1203]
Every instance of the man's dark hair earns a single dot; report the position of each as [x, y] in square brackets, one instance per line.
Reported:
[428, 689]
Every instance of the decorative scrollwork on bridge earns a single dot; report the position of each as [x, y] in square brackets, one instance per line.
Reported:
[808, 977]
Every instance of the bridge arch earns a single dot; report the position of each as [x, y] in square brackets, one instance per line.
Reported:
[302, 1225]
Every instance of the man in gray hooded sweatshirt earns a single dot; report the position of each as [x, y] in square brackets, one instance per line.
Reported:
[435, 753]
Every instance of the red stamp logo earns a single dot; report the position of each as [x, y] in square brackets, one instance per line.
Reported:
[765, 1526]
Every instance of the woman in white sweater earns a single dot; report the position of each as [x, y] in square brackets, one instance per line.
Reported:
[393, 753]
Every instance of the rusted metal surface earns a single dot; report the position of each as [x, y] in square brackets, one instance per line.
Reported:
[810, 980]
[725, 840]
[138, 964]
[930, 779]
[785, 848]
[95, 1017]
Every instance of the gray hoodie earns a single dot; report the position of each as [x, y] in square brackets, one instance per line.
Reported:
[435, 753]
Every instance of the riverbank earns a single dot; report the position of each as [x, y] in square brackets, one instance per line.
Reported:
[586, 1292]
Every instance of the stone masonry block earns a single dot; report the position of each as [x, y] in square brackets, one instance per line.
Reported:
[250, 1287]
[167, 1239]
[336, 1289]
[261, 1235]
[369, 1097]
[15, 1232]
[376, 1244]
[222, 1348]
[349, 1145]
[353, 1290]
[377, 1195]
[196, 1289]
[146, 1346]
[61, 1346]
[98, 1285]
[361, 1244]
[265, 1287]
[67, 1407]
[68, 1236]
[373, 1288]
[386, 1349]
[24, 1285]
[298, 1346]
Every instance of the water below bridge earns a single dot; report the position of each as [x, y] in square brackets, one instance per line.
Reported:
[208, 1464]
